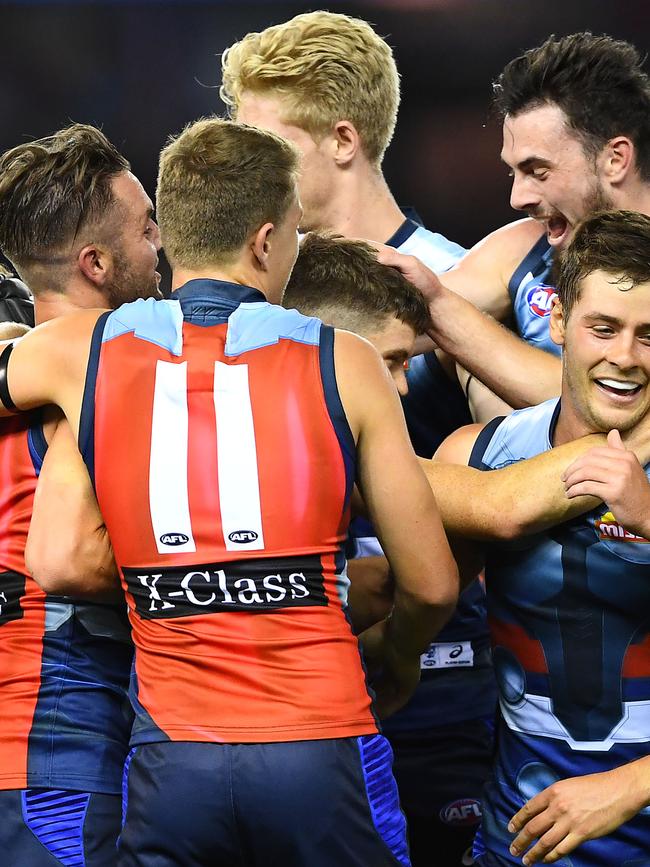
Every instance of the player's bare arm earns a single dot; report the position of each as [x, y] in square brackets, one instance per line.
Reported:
[370, 597]
[68, 550]
[533, 495]
[48, 365]
[517, 372]
[402, 508]
[483, 274]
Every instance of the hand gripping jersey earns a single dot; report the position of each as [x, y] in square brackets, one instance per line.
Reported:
[223, 463]
[64, 666]
[532, 296]
[568, 613]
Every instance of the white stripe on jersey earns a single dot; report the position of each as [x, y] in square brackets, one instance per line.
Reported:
[239, 490]
[168, 494]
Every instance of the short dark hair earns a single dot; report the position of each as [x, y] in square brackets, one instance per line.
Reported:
[597, 81]
[51, 189]
[617, 242]
[341, 281]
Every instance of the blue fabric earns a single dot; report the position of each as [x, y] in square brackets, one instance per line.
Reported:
[56, 818]
[532, 295]
[157, 321]
[376, 761]
[570, 603]
[252, 326]
[82, 719]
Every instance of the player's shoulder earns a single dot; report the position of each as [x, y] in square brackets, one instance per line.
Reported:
[436, 251]
[512, 241]
[457, 447]
[77, 323]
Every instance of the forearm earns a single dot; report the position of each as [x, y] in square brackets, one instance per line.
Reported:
[412, 625]
[515, 371]
[524, 498]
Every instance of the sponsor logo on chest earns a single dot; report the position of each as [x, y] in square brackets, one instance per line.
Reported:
[540, 299]
[608, 529]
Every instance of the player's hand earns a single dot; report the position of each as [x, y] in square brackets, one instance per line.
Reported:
[613, 474]
[392, 675]
[415, 271]
[571, 811]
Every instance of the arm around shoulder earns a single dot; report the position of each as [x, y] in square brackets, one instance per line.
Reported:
[68, 550]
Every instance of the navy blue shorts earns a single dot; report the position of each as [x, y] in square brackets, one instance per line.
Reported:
[326, 803]
[55, 828]
[440, 774]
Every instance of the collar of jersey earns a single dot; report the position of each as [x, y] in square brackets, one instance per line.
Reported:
[218, 293]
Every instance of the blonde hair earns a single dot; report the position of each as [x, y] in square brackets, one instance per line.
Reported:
[218, 182]
[325, 67]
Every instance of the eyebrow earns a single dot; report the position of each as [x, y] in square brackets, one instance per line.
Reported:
[529, 163]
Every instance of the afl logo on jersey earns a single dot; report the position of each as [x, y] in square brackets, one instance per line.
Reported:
[540, 299]
[174, 539]
[243, 536]
[465, 811]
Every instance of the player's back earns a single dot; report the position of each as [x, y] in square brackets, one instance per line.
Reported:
[217, 428]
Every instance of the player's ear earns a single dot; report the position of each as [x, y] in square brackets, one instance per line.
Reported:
[346, 142]
[95, 264]
[261, 245]
[557, 324]
[617, 159]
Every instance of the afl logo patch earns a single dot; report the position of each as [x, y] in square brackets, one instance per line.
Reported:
[540, 299]
[174, 539]
[465, 811]
[243, 536]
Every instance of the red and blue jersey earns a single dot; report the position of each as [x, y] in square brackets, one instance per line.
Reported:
[223, 464]
[568, 613]
[64, 666]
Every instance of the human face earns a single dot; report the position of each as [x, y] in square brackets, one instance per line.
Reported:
[316, 167]
[553, 179]
[395, 342]
[606, 359]
[134, 246]
[283, 252]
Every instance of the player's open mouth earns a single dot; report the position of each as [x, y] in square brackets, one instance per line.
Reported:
[557, 229]
[621, 389]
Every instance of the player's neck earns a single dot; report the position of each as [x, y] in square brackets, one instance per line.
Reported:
[49, 304]
[362, 206]
[570, 424]
[635, 196]
[241, 273]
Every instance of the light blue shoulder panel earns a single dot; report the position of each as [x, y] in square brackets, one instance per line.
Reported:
[433, 249]
[257, 324]
[523, 434]
[159, 322]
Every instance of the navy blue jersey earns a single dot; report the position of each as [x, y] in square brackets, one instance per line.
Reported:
[532, 296]
[568, 612]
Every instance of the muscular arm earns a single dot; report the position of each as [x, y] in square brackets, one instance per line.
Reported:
[530, 496]
[48, 365]
[401, 507]
[518, 373]
[68, 550]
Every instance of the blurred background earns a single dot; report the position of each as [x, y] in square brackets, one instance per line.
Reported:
[141, 70]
